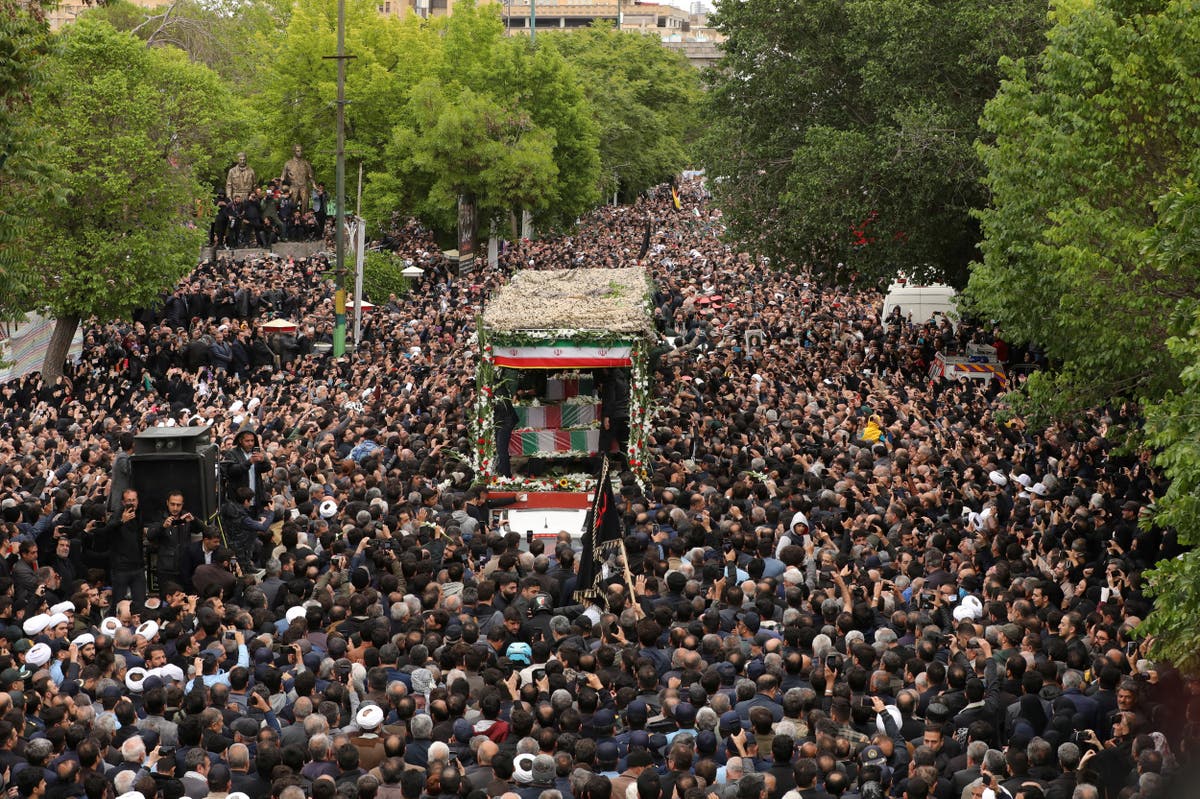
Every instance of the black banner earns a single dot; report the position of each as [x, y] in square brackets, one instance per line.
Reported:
[601, 535]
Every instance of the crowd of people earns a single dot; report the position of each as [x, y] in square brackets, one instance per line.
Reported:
[267, 215]
[844, 579]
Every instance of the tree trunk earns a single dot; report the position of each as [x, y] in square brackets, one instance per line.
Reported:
[60, 345]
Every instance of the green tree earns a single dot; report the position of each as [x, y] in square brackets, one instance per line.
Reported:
[382, 276]
[1091, 242]
[296, 87]
[464, 144]
[25, 169]
[133, 127]
[234, 38]
[1088, 142]
[494, 118]
[1173, 427]
[645, 100]
[842, 130]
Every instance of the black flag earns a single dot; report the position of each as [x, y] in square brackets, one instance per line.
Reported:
[646, 238]
[601, 535]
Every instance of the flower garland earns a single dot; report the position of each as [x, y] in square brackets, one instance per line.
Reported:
[640, 411]
[484, 460]
[531, 338]
[566, 482]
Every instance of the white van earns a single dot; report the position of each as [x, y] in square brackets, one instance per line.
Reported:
[920, 303]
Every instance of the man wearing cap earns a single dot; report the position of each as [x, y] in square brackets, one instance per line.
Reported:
[370, 746]
[124, 535]
[71, 659]
[171, 536]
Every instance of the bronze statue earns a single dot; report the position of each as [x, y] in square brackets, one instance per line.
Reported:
[240, 181]
[299, 173]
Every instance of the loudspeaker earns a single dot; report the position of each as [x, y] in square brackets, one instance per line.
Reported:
[172, 439]
[194, 473]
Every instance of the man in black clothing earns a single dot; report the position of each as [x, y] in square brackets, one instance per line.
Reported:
[172, 534]
[614, 407]
[247, 467]
[124, 535]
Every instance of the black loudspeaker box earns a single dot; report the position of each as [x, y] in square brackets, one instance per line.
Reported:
[194, 473]
[172, 439]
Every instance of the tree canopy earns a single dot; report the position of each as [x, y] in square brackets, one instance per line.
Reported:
[25, 169]
[841, 131]
[493, 117]
[645, 99]
[131, 128]
[1090, 243]
[1090, 140]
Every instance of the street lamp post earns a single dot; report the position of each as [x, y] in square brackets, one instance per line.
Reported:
[339, 218]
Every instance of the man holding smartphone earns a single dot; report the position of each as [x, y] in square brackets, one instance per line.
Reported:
[124, 536]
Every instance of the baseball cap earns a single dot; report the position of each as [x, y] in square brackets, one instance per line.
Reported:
[606, 752]
[685, 714]
[637, 711]
[872, 756]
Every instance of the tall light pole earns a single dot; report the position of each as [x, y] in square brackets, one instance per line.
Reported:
[339, 230]
[533, 21]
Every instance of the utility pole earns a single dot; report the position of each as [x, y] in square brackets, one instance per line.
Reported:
[339, 230]
[533, 22]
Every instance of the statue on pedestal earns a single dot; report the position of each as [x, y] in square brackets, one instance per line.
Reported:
[241, 180]
[299, 173]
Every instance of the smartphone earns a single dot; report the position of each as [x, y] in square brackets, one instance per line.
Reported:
[539, 674]
[866, 702]
[1131, 648]
[230, 634]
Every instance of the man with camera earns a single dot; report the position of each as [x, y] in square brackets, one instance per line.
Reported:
[171, 535]
[125, 536]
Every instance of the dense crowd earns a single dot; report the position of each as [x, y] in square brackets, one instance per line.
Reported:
[269, 214]
[845, 579]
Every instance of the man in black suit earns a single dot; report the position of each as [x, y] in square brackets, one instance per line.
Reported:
[199, 553]
[125, 534]
[247, 466]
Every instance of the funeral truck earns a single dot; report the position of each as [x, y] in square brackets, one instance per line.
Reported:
[559, 353]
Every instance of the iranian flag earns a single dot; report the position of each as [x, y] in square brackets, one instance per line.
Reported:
[563, 356]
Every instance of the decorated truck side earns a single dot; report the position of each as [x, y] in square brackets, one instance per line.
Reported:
[563, 376]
